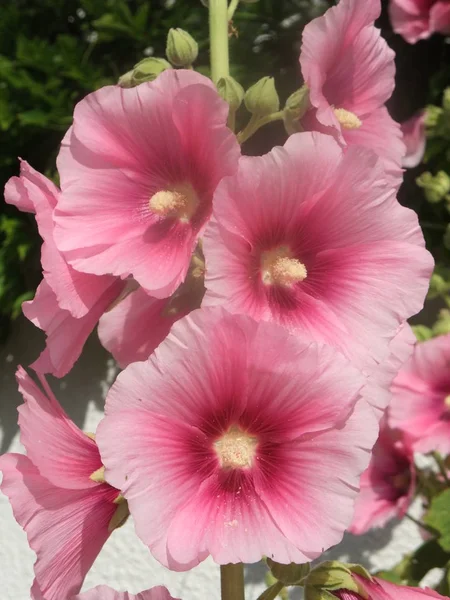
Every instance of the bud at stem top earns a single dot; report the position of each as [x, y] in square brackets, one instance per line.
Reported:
[181, 49]
[262, 98]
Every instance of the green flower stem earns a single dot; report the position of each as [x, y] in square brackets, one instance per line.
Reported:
[218, 33]
[441, 465]
[232, 582]
[256, 123]
[232, 8]
[272, 592]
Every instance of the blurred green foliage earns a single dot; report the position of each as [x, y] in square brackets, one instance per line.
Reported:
[54, 52]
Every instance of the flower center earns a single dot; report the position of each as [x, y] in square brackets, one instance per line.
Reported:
[236, 449]
[347, 119]
[280, 268]
[401, 481]
[180, 201]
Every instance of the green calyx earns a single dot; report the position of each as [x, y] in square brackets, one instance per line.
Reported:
[290, 574]
[262, 98]
[231, 91]
[181, 48]
[295, 108]
[147, 69]
[332, 576]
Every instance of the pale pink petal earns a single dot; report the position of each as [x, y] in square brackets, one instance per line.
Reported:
[23, 191]
[103, 592]
[65, 528]
[440, 17]
[411, 18]
[63, 454]
[66, 335]
[345, 62]
[126, 145]
[414, 138]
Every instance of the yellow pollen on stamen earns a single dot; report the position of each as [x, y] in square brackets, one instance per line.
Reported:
[236, 449]
[280, 268]
[179, 201]
[347, 119]
[98, 476]
[447, 401]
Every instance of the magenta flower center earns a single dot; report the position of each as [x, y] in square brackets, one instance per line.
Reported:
[179, 201]
[236, 449]
[279, 267]
[347, 119]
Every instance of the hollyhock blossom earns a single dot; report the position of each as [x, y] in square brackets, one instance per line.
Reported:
[414, 138]
[349, 70]
[387, 487]
[417, 20]
[240, 440]
[421, 397]
[379, 589]
[103, 592]
[67, 304]
[314, 239]
[139, 323]
[58, 494]
[138, 175]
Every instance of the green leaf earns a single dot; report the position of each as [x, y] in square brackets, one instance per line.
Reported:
[438, 517]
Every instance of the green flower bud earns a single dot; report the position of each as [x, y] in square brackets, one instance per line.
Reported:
[126, 81]
[296, 106]
[231, 91]
[334, 576]
[181, 48]
[148, 69]
[288, 574]
[262, 98]
[435, 187]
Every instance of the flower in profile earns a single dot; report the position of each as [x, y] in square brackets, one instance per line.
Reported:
[313, 238]
[414, 138]
[58, 494]
[67, 304]
[349, 70]
[417, 20]
[387, 487]
[352, 582]
[239, 440]
[420, 404]
[138, 172]
[103, 592]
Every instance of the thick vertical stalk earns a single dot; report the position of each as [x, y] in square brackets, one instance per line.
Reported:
[218, 34]
[232, 582]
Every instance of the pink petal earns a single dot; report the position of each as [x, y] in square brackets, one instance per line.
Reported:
[379, 589]
[345, 62]
[62, 453]
[414, 138]
[103, 592]
[127, 144]
[23, 191]
[411, 19]
[65, 528]
[440, 17]
[66, 335]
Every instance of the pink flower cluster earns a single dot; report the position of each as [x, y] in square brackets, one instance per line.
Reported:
[257, 304]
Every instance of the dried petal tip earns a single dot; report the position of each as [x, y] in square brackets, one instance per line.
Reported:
[347, 119]
[279, 268]
[236, 449]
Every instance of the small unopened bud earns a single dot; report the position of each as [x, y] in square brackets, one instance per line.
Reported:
[262, 98]
[126, 80]
[231, 91]
[148, 69]
[295, 108]
[435, 187]
[332, 578]
[181, 49]
[432, 116]
[288, 574]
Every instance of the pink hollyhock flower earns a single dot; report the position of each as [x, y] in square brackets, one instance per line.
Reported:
[103, 592]
[349, 70]
[138, 324]
[240, 440]
[379, 589]
[417, 20]
[314, 239]
[67, 304]
[387, 487]
[138, 175]
[58, 494]
[421, 397]
[414, 138]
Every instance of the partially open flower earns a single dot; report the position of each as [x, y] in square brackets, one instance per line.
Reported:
[58, 494]
[138, 172]
[239, 440]
[420, 404]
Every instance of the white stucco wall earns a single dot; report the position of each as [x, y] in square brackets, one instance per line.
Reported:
[124, 562]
